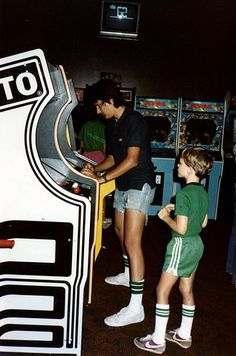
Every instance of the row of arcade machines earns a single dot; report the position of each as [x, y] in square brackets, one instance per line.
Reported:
[175, 124]
[50, 214]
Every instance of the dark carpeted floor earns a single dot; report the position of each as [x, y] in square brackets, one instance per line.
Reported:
[214, 328]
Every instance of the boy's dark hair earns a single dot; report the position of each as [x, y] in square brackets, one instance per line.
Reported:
[105, 90]
[199, 159]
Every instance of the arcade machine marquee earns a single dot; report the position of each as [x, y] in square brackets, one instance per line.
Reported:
[49, 212]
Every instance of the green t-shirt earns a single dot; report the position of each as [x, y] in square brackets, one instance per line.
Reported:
[192, 201]
[92, 134]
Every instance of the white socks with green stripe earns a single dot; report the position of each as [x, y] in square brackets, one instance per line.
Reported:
[136, 295]
[187, 320]
[162, 312]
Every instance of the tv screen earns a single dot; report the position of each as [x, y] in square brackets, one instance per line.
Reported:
[119, 19]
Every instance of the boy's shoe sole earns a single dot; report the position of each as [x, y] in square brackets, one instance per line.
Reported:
[172, 336]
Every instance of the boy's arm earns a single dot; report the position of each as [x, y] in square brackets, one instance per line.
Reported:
[179, 225]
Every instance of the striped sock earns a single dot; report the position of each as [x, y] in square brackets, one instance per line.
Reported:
[136, 295]
[188, 312]
[162, 312]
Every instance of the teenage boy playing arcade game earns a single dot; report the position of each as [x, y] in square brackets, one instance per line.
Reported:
[129, 162]
[183, 253]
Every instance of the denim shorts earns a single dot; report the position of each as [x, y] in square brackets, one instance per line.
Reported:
[139, 200]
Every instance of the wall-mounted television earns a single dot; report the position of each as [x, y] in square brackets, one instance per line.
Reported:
[119, 19]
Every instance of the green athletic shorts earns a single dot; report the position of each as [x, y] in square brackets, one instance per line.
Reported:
[183, 255]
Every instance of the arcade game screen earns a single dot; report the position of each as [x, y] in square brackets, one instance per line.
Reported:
[200, 131]
[162, 134]
[202, 124]
[162, 119]
[159, 129]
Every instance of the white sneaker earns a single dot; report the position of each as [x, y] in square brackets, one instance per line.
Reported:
[147, 344]
[120, 279]
[125, 316]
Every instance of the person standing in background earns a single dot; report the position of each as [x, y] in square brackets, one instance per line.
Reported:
[92, 139]
[92, 144]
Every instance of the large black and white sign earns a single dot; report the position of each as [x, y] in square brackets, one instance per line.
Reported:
[43, 277]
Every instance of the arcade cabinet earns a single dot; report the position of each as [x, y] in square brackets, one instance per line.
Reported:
[162, 117]
[50, 212]
[202, 124]
[230, 124]
[228, 203]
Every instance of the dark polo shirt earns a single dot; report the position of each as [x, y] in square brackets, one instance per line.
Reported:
[131, 130]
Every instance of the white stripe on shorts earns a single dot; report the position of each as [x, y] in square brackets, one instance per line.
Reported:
[176, 252]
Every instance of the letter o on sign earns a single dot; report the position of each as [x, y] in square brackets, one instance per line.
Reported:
[32, 87]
